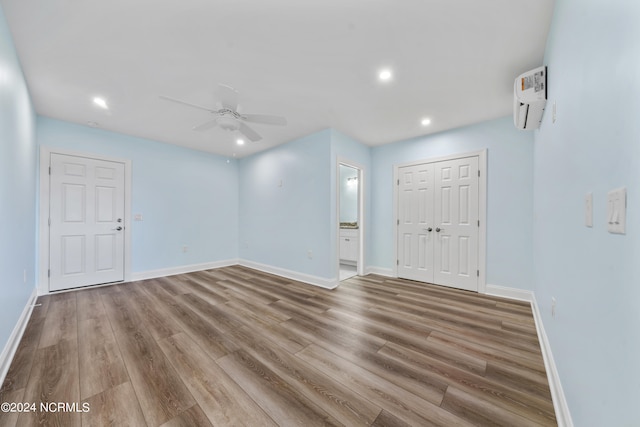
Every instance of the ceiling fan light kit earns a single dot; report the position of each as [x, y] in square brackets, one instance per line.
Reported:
[228, 118]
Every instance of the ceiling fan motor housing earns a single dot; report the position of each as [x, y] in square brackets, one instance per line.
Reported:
[228, 123]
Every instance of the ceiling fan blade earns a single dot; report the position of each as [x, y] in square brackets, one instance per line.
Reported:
[248, 132]
[206, 125]
[227, 96]
[168, 98]
[265, 119]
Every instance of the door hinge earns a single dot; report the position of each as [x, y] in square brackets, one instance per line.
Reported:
[48, 273]
[478, 172]
[478, 223]
[49, 170]
[397, 222]
[397, 262]
[49, 222]
[398, 182]
[478, 273]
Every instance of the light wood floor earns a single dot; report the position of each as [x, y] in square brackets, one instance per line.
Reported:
[235, 346]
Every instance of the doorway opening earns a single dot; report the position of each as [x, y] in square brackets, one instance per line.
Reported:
[350, 220]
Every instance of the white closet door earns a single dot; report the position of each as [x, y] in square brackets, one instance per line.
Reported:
[415, 223]
[456, 217]
[86, 222]
[438, 231]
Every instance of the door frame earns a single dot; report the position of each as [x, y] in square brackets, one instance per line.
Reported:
[43, 212]
[482, 206]
[360, 268]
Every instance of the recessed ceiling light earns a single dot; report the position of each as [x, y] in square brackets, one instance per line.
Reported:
[100, 102]
[240, 141]
[385, 75]
[426, 121]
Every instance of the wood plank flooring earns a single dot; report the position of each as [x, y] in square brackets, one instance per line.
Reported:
[235, 346]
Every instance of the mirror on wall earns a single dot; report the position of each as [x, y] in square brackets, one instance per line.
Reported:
[348, 196]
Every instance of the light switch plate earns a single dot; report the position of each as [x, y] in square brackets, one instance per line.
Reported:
[588, 210]
[617, 211]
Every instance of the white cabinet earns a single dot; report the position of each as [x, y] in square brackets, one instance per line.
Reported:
[349, 245]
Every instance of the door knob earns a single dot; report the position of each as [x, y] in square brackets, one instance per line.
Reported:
[117, 228]
[429, 229]
[437, 229]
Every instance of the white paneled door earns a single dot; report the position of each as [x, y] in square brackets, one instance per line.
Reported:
[438, 222]
[415, 222]
[86, 212]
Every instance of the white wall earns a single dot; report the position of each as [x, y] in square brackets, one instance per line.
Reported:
[17, 187]
[593, 59]
[187, 197]
[509, 204]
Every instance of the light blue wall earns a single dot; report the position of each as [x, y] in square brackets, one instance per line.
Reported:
[285, 206]
[348, 194]
[186, 197]
[509, 204]
[593, 58]
[17, 187]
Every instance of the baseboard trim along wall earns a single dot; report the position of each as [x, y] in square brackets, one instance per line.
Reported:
[11, 347]
[387, 272]
[511, 293]
[563, 416]
[294, 275]
[171, 271]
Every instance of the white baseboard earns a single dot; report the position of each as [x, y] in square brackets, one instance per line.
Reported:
[11, 347]
[163, 272]
[387, 272]
[511, 293]
[290, 274]
[563, 416]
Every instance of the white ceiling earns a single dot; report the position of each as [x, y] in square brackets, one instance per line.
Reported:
[314, 62]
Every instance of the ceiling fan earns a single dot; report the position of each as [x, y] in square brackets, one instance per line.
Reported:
[228, 118]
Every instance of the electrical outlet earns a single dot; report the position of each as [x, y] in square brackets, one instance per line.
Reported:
[553, 307]
[185, 248]
[310, 254]
[24, 275]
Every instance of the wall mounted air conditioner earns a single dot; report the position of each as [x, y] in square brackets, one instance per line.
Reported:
[529, 98]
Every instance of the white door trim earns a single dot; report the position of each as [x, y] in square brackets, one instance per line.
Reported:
[482, 204]
[361, 214]
[43, 212]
